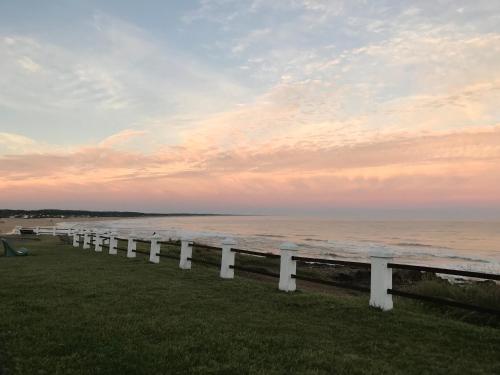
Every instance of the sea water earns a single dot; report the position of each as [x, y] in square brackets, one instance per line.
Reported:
[453, 244]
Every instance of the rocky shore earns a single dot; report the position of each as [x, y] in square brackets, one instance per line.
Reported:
[361, 276]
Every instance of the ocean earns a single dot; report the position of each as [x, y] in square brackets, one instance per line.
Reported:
[470, 245]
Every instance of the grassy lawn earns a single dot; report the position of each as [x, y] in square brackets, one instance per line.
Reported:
[74, 311]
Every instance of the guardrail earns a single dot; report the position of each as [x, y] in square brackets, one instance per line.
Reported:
[443, 301]
[380, 265]
[308, 260]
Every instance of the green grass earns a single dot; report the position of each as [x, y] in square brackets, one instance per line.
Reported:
[74, 311]
[486, 294]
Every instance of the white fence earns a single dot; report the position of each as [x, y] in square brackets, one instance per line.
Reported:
[381, 262]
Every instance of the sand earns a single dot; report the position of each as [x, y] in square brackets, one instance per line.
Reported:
[8, 224]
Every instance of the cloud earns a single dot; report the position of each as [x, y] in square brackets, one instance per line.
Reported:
[67, 80]
[125, 77]
[16, 144]
[29, 64]
[253, 37]
[448, 167]
[121, 138]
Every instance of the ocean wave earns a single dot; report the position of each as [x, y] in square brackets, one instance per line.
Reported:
[404, 251]
[404, 248]
[270, 235]
[415, 244]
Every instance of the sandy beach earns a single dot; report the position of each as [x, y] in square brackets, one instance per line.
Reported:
[8, 224]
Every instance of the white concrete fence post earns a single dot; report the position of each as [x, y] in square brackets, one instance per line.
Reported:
[131, 245]
[86, 239]
[76, 238]
[37, 230]
[186, 253]
[17, 230]
[54, 231]
[288, 267]
[105, 241]
[381, 279]
[226, 272]
[98, 240]
[154, 252]
[113, 243]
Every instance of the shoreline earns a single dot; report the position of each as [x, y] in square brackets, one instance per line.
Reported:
[7, 225]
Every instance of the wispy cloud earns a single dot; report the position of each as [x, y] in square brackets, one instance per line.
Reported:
[16, 144]
[125, 78]
[121, 138]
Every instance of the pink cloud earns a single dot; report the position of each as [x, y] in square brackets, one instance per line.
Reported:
[458, 168]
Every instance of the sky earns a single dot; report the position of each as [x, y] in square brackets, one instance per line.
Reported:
[250, 106]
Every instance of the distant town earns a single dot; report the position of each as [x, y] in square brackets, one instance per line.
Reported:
[52, 213]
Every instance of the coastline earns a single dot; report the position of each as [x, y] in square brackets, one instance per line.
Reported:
[7, 225]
